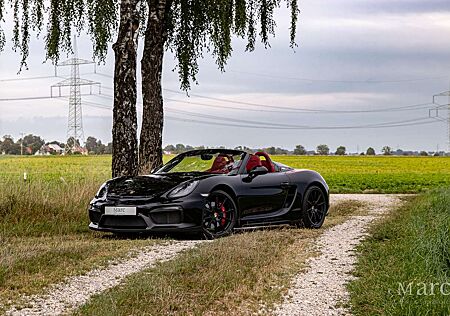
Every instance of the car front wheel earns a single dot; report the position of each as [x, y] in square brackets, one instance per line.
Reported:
[219, 215]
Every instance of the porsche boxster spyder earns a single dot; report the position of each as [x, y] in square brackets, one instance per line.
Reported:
[211, 191]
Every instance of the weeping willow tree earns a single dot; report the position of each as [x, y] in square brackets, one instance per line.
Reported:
[187, 28]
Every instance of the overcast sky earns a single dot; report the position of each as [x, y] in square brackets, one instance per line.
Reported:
[352, 55]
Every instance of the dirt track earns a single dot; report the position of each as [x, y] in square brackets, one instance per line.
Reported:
[321, 289]
[76, 291]
[318, 291]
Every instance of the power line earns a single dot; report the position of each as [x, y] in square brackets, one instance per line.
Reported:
[289, 126]
[267, 125]
[286, 125]
[221, 106]
[387, 124]
[296, 109]
[37, 98]
[27, 98]
[258, 124]
[27, 78]
[414, 107]
[280, 128]
[301, 109]
[288, 77]
[367, 81]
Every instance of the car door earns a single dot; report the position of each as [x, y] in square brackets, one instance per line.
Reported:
[263, 194]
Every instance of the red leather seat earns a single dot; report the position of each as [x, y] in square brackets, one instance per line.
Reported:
[253, 162]
[219, 163]
[268, 165]
[267, 162]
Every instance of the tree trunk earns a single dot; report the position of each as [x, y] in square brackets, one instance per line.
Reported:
[150, 147]
[125, 147]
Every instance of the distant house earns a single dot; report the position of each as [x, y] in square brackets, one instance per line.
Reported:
[82, 150]
[78, 150]
[27, 150]
[50, 149]
[55, 148]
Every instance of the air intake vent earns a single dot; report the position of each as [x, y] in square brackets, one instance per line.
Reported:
[166, 216]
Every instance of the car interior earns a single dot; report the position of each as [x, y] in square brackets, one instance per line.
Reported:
[225, 163]
[256, 161]
[222, 164]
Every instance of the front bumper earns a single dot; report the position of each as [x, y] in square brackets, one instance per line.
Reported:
[184, 216]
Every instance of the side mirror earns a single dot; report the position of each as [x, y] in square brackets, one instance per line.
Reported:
[260, 170]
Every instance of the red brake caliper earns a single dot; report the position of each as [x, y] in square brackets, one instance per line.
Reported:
[222, 221]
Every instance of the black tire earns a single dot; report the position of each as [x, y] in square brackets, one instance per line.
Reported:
[219, 215]
[314, 208]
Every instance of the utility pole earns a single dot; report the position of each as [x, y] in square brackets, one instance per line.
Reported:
[21, 143]
[75, 133]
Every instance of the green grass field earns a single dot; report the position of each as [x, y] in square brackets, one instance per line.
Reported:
[379, 174]
[55, 168]
[344, 174]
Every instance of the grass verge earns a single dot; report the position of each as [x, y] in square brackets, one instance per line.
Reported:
[41, 208]
[230, 276]
[406, 261]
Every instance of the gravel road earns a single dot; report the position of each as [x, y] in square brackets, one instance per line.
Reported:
[315, 292]
[321, 289]
[76, 291]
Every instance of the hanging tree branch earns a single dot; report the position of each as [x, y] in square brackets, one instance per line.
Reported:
[192, 27]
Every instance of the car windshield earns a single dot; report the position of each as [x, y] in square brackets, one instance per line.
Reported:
[204, 162]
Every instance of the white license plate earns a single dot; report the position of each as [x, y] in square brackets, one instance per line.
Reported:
[120, 210]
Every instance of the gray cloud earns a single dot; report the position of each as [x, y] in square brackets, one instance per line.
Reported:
[400, 6]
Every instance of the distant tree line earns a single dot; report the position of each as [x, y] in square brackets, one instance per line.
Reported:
[322, 150]
[27, 145]
[96, 147]
[30, 144]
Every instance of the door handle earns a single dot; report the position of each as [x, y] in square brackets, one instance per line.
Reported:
[285, 184]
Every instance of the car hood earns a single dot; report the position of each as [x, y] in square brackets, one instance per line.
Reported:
[148, 185]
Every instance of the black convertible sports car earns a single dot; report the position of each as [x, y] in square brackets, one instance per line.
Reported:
[212, 191]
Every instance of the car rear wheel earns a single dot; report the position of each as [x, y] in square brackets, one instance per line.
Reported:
[314, 207]
[219, 215]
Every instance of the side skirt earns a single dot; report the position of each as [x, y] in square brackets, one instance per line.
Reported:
[265, 225]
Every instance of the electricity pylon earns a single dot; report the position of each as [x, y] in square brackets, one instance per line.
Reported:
[75, 133]
[434, 113]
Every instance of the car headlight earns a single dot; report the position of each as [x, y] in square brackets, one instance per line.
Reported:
[102, 191]
[183, 189]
